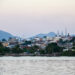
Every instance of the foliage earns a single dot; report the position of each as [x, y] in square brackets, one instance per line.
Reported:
[27, 42]
[42, 51]
[3, 40]
[53, 48]
[68, 53]
[61, 41]
[33, 49]
[17, 50]
[73, 45]
[73, 39]
[3, 50]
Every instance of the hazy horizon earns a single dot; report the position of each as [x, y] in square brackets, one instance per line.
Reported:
[26, 18]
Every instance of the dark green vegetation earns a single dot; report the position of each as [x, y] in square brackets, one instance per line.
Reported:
[51, 49]
[3, 50]
[68, 53]
[17, 50]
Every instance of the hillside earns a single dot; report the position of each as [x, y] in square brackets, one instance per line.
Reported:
[5, 35]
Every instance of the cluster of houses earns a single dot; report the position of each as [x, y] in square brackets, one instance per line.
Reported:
[41, 42]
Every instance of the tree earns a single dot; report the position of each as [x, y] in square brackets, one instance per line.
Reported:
[68, 53]
[61, 41]
[25, 49]
[2, 49]
[73, 39]
[27, 42]
[33, 49]
[3, 40]
[1, 44]
[73, 45]
[42, 51]
[17, 50]
[6, 50]
[53, 48]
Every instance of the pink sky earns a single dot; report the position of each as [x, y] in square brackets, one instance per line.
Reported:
[29, 17]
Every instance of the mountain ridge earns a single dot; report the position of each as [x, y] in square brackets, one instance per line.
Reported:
[5, 35]
[50, 34]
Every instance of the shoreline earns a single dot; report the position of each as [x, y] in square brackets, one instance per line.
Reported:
[38, 58]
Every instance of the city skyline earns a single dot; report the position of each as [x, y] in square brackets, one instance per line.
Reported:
[26, 18]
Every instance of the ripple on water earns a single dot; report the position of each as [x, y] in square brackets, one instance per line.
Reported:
[37, 65]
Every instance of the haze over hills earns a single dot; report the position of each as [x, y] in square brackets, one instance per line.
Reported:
[51, 34]
[5, 35]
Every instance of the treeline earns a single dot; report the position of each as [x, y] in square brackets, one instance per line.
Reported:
[51, 49]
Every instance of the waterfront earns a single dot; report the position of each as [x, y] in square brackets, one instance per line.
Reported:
[37, 65]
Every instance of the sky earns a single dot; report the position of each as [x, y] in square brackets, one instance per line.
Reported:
[26, 18]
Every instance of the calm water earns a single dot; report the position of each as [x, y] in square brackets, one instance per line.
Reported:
[37, 65]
